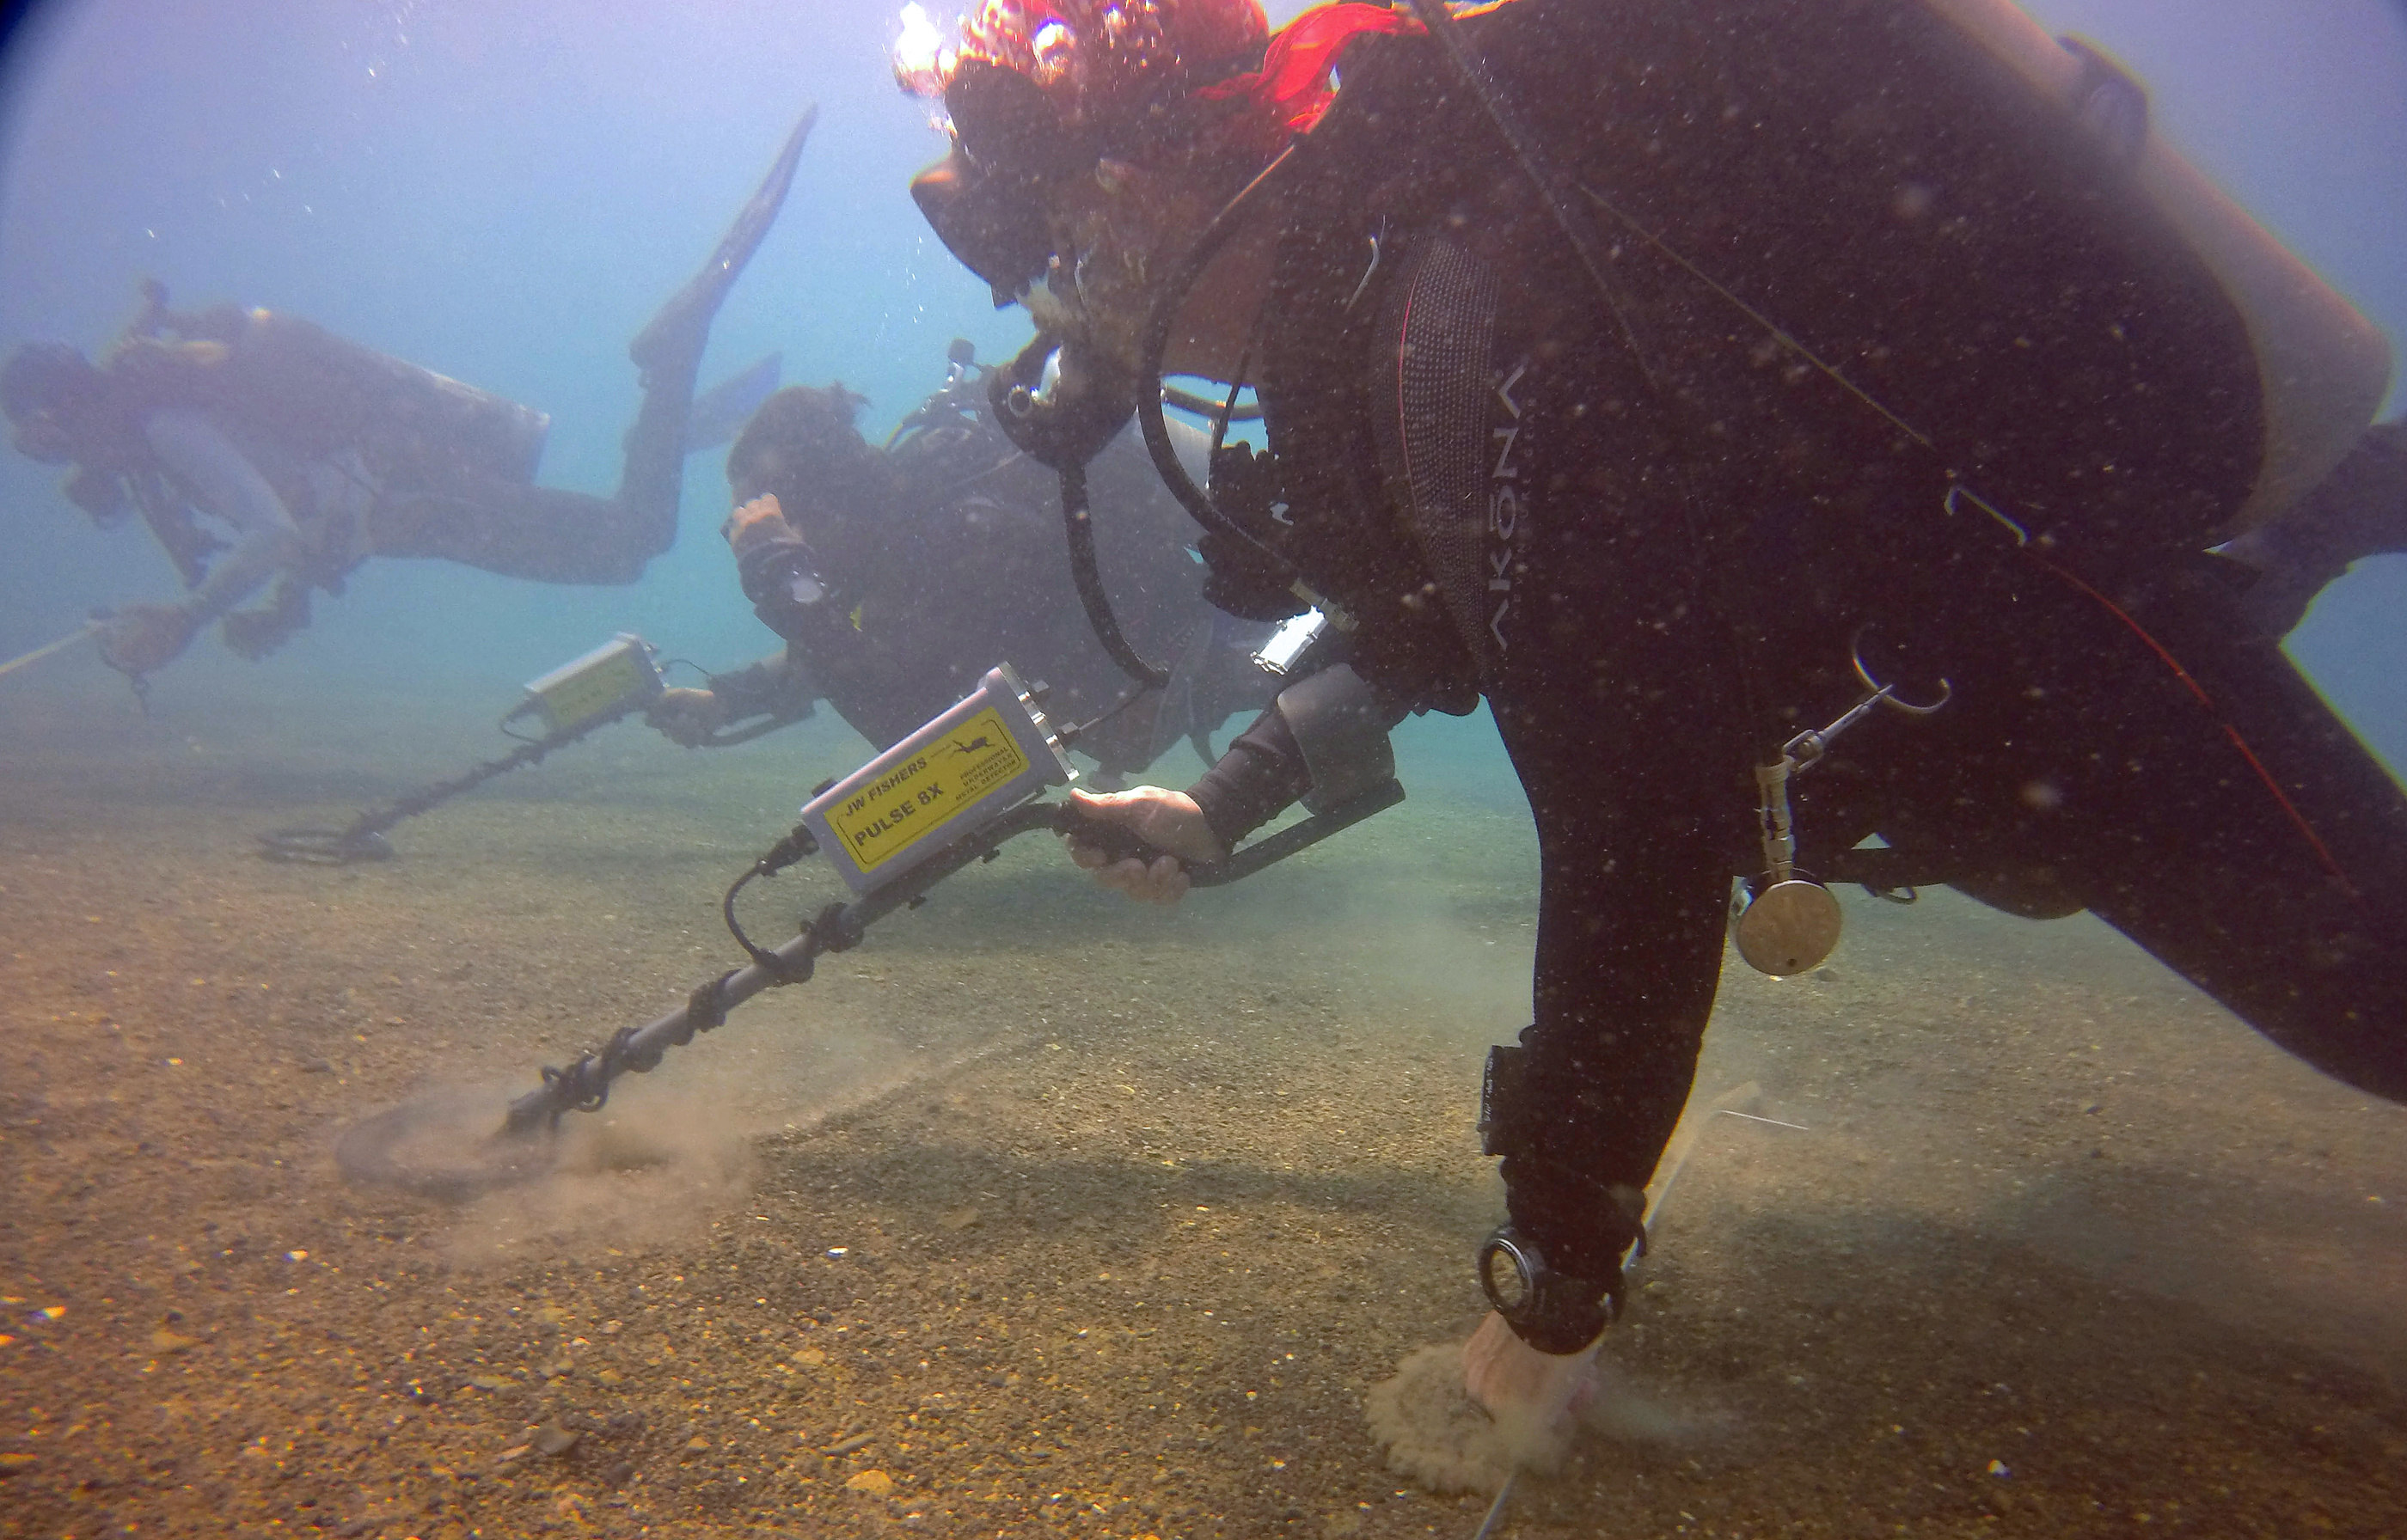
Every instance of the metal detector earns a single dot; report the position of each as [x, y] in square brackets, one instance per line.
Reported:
[612, 682]
[947, 797]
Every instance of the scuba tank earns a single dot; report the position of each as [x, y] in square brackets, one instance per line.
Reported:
[409, 424]
[2324, 367]
[323, 395]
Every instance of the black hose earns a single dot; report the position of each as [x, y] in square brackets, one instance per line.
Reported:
[1228, 410]
[1205, 407]
[363, 838]
[1080, 524]
[1154, 345]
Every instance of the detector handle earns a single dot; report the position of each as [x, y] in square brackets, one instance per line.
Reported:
[1119, 844]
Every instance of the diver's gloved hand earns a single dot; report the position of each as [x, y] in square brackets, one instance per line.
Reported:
[1167, 820]
[755, 526]
[253, 633]
[780, 576]
[687, 716]
[141, 638]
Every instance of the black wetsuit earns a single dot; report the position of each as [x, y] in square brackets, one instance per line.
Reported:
[1652, 539]
[958, 566]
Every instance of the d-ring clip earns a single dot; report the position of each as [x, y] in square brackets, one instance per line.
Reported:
[1887, 693]
[1957, 493]
[1807, 748]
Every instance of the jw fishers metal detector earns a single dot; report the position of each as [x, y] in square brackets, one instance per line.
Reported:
[607, 685]
[1791, 923]
[947, 797]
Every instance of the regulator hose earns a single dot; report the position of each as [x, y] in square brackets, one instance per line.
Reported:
[1077, 519]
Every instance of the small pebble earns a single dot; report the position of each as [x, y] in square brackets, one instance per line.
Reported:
[876, 1483]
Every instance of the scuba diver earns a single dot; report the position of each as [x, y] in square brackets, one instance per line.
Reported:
[312, 454]
[899, 575]
[1676, 378]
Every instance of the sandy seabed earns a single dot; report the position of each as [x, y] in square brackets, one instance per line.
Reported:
[1038, 1213]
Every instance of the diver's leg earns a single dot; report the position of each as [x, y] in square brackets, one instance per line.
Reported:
[2277, 880]
[668, 351]
[2219, 816]
[2159, 762]
[540, 533]
[2319, 968]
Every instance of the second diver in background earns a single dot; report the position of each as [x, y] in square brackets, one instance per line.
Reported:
[899, 575]
[263, 450]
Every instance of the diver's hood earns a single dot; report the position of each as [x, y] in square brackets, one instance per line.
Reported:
[1006, 200]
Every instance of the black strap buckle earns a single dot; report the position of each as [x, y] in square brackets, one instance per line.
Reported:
[1499, 1097]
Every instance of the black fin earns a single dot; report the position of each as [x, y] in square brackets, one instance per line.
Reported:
[720, 413]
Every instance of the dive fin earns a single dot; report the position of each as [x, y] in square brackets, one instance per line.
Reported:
[720, 413]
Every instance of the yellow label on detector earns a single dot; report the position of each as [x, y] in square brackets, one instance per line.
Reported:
[921, 794]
